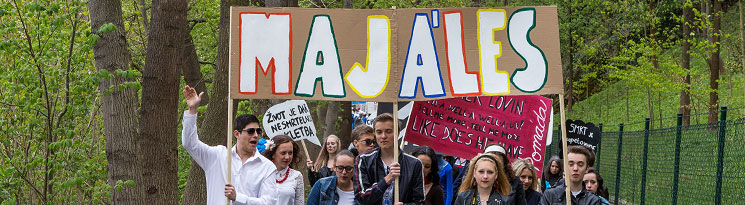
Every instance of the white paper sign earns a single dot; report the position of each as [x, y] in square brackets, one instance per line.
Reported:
[291, 118]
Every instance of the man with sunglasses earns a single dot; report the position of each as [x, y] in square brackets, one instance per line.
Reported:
[363, 139]
[246, 164]
[338, 189]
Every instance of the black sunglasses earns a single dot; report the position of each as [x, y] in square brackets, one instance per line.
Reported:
[368, 142]
[342, 168]
[251, 131]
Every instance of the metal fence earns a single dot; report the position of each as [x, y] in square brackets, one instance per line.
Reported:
[695, 164]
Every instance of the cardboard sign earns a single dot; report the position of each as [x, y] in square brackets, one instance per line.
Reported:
[581, 133]
[463, 127]
[291, 118]
[389, 55]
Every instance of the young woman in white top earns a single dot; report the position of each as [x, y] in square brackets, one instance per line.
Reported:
[289, 182]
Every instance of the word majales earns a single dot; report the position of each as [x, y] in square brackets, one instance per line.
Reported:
[266, 42]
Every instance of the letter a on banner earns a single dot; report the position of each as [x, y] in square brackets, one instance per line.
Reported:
[533, 76]
[421, 62]
[320, 61]
[370, 81]
[265, 43]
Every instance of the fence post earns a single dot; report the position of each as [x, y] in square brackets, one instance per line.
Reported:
[597, 154]
[618, 162]
[644, 160]
[720, 154]
[676, 171]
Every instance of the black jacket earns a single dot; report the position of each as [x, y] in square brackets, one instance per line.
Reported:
[470, 197]
[324, 172]
[556, 196]
[369, 176]
[517, 194]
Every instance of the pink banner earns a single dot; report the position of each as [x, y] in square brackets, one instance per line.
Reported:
[463, 127]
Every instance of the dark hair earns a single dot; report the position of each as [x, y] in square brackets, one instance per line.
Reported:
[281, 139]
[362, 129]
[343, 153]
[506, 162]
[602, 190]
[243, 120]
[547, 170]
[433, 175]
[385, 117]
[589, 156]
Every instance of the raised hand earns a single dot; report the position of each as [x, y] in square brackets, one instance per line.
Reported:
[192, 99]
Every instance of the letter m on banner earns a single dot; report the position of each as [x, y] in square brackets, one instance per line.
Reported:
[265, 43]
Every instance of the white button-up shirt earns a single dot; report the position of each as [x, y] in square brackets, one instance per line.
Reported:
[252, 179]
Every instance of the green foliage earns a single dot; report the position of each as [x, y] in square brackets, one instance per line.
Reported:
[51, 133]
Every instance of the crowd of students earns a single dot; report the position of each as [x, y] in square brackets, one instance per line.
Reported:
[367, 172]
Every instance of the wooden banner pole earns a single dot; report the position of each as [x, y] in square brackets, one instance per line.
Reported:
[567, 182]
[305, 148]
[395, 146]
[229, 138]
[230, 109]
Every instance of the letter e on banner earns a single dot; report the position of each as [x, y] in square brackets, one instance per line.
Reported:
[493, 81]
[266, 42]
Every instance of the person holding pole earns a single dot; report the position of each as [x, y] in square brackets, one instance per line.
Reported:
[284, 153]
[251, 181]
[485, 183]
[323, 166]
[376, 170]
[579, 159]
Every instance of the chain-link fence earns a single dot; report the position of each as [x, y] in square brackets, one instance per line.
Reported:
[695, 164]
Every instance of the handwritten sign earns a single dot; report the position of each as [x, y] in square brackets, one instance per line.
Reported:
[463, 127]
[389, 55]
[581, 133]
[291, 118]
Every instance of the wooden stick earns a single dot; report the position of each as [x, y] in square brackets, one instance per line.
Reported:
[568, 192]
[230, 110]
[395, 151]
[306, 151]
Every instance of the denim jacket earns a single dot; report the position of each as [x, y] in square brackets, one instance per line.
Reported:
[324, 192]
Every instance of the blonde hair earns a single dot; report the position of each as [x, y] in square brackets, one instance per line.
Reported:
[323, 157]
[501, 184]
[522, 164]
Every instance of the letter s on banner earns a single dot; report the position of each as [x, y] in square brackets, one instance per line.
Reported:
[533, 77]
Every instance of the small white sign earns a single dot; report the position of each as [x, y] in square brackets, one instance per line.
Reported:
[291, 118]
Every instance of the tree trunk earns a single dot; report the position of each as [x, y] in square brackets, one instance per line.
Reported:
[212, 130]
[321, 115]
[119, 105]
[348, 4]
[190, 68]
[685, 95]
[345, 132]
[714, 65]
[160, 94]
[332, 115]
[570, 67]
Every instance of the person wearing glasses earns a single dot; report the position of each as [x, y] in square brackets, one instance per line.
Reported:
[363, 139]
[251, 172]
[377, 170]
[284, 153]
[337, 189]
